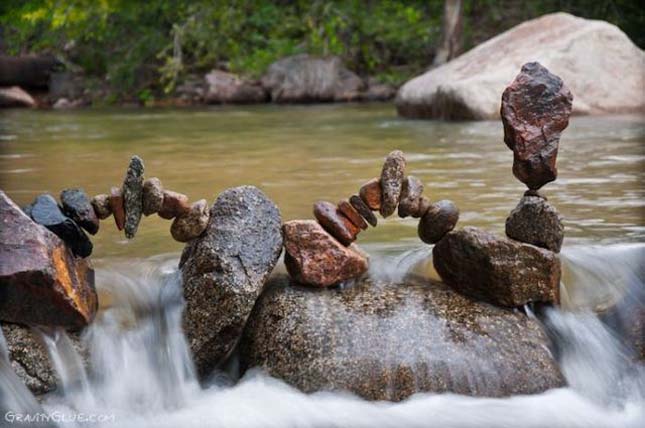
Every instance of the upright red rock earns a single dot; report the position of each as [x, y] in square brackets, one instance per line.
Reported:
[41, 282]
[535, 110]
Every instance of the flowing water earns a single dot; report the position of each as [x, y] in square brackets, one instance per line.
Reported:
[140, 371]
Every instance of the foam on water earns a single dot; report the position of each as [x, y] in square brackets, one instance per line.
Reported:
[141, 374]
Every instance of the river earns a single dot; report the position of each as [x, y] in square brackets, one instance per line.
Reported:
[141, 371]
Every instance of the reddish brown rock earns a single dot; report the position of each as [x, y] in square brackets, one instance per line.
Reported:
[497, 270]
[315, 258]
[363, 210]
[334, 222]
[116, 206]
[439, 219]
[350, 212]
[411, 191]
[41, 282]
[101, 205]
[152, 196]
[392, 176]
[191, 225]
[174, 205]
[370, 193]
[535, 110]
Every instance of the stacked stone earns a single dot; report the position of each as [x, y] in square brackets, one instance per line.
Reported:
[523, 269]
[322, 253]
[139, 197]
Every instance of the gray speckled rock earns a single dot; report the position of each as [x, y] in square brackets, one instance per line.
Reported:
[536, 222]
[152, 196]
[410, 202]
[497, 270]
[386, 341]
[133, 196]
[29, 358]
[392, 182]
[224, 272]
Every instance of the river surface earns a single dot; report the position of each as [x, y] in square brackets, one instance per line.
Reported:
[141, 374]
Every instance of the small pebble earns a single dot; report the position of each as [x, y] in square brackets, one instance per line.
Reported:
[363, 210]
[174, 205]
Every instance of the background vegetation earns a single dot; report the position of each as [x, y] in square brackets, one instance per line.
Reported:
[147, 47]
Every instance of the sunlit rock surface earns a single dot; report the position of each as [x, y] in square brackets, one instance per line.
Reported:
[224, 272]
[386, 341]
[600, 64]
[41, 282]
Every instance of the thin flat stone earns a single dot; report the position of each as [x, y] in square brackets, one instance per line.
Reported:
[334, 222]
[348, 211]
[363, 210]
[133, 196]
[116, 206]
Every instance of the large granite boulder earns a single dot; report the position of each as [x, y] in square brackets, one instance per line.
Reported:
[497, 270]
[304, 78]
[600, 64]
[41, 282]
[224, 272]
[228, 88]
[386, 341]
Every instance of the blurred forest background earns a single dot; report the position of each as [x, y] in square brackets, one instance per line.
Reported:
[147, 47]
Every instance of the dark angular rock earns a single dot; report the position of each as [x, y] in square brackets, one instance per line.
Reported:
[45, 211]
[497, 270]
[535, 110]
[350, 212]
[133, 196]
[536, 222]
[101, 205]
[41, 282]
[152, 196]
[334, 222]
[224, 271]
[191, 225]
[363, 210]
[439, 219]
[77, 206]
[392, 182]
[313, 257]
[387, 341]
[411, 191]
[370, 193]
[116, 207]
[174, 205]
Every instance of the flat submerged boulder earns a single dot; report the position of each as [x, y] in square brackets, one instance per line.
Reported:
[224, 272]
[387, 341]
[601, 65]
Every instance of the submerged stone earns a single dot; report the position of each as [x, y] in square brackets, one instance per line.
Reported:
[387, 341]
[224, 271]
[41, 282]
[133, 196]
[313, 257]
[536, 222]
[535, 110]
[77, 206]
[45, 211]
[497, 270]
[392, 176]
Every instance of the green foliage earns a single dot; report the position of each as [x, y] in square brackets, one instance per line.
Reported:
[141, 49]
